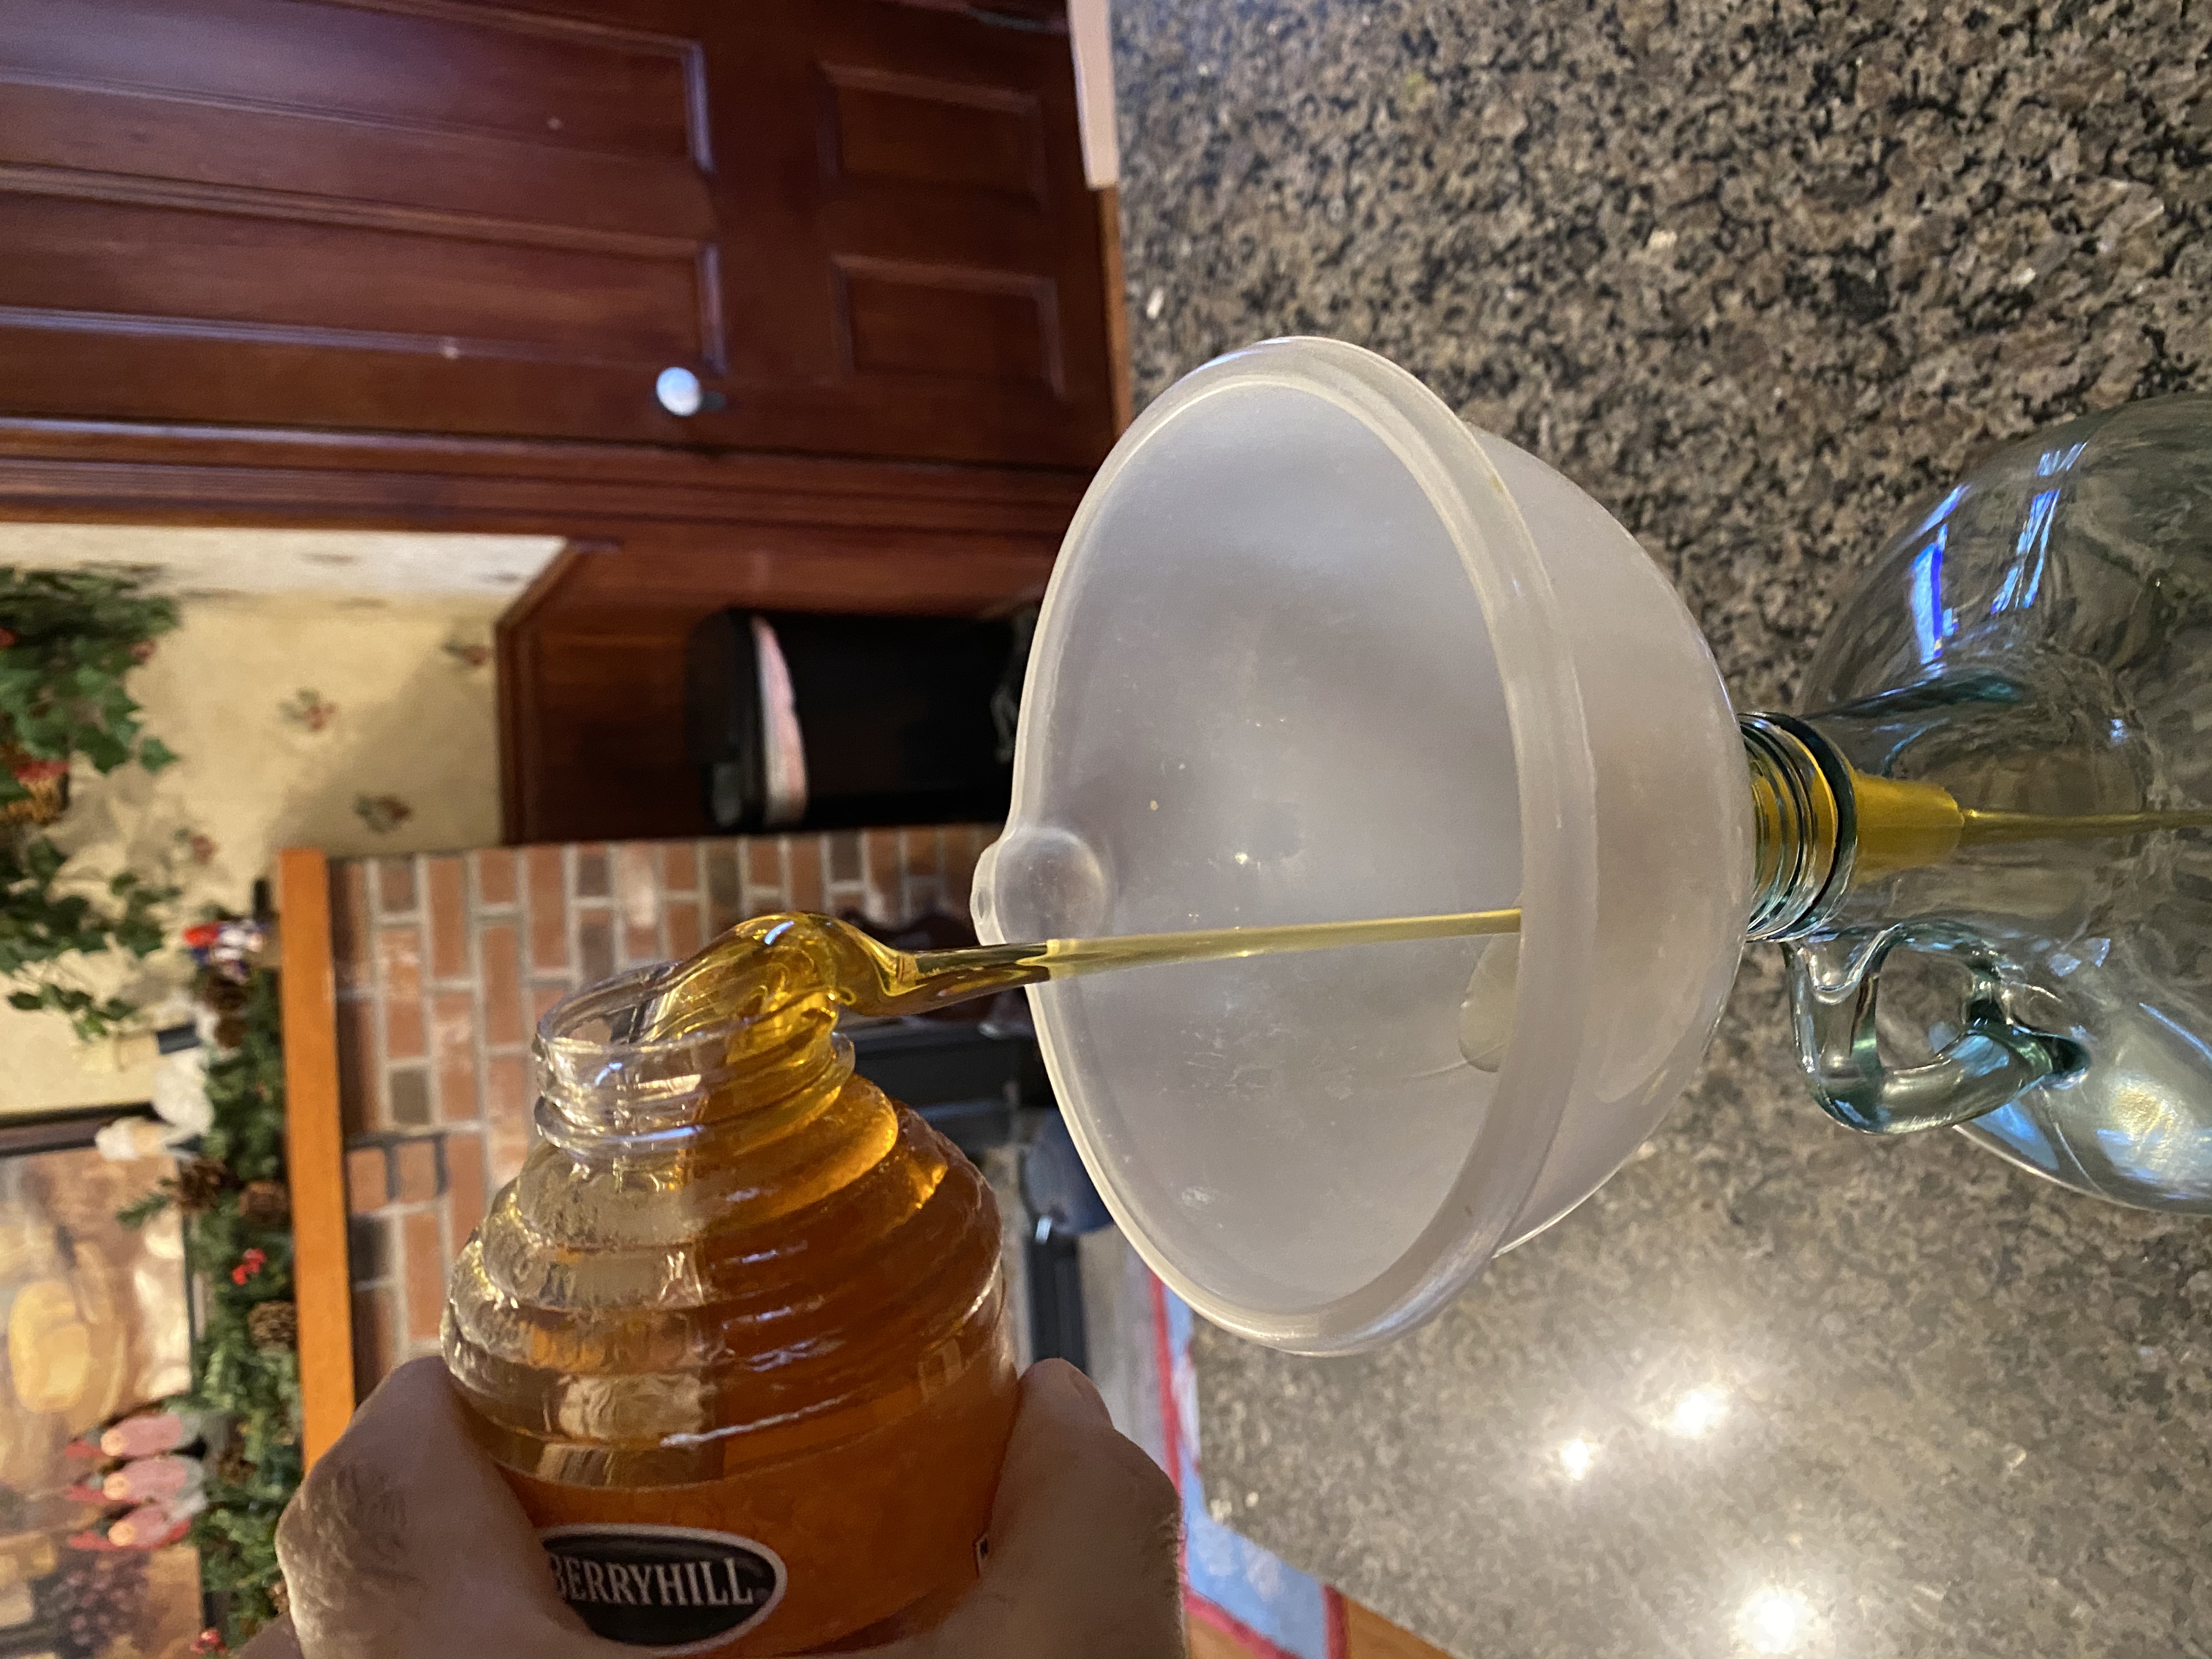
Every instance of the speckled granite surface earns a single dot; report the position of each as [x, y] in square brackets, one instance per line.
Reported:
[1757, 278]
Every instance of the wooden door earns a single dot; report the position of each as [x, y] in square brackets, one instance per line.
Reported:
[437, 218]
[917, 226]
[861, 225]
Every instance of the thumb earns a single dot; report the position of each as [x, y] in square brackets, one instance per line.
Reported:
[1084, 1539]
[404, 1543]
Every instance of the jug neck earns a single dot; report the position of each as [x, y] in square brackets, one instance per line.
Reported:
[1801, 808]
[1821, 827]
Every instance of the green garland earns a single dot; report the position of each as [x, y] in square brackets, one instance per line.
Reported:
[68, 641]
[244, 1262]
[40, 927]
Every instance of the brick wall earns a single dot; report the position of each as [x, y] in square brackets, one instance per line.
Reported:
[444, 966]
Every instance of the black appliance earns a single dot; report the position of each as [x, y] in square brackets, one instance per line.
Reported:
[983, 1085]
[829, 722]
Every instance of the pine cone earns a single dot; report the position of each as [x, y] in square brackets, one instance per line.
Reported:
[199, 1182]
[233, 1468]
[229, 1031]
[222, 995]
[268, 1202]
[274, 1324]
[279, 1594]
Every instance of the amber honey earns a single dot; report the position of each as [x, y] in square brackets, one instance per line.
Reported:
[736, 1333]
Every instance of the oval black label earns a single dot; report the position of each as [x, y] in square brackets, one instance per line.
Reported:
[676, 1588]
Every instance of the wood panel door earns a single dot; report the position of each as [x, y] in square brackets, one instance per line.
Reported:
[861, 225]
[918, 226]
[439, 218]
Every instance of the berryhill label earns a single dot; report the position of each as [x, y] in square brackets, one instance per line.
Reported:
[676, 1588]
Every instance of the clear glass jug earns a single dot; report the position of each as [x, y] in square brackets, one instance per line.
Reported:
[2040, 643]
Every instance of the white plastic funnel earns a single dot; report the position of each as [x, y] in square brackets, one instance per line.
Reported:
[1315, 650]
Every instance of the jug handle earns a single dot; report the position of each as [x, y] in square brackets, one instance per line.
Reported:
[1993, 1060]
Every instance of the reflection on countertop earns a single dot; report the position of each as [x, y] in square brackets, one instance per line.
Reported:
[1774, 1389]
[1758, 279]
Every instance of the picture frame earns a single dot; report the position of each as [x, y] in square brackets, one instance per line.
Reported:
[97, 1321]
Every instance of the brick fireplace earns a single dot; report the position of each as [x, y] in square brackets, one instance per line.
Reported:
[442, 965]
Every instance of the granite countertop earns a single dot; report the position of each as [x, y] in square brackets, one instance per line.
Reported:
[1758, 277]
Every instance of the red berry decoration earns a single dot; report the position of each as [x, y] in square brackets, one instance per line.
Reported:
[209, 1641]
[248, 1265]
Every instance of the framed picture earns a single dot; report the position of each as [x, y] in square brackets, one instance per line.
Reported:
[95, 1323]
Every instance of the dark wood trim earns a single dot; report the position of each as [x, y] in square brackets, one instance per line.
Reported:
[1117, 306]
[515, 642]
[126, 473]
[256, 201]
[314, 1150]
[1368, 1635]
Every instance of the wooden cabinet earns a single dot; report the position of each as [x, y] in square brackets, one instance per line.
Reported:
[862, 225]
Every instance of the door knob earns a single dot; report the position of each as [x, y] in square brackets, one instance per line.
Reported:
[678, 392]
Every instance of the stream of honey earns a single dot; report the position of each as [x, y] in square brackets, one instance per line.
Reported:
[873, 979]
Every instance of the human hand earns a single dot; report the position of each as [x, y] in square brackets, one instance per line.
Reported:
[404, 1543]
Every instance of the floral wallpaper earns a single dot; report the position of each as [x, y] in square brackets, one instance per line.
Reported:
[358, 723]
